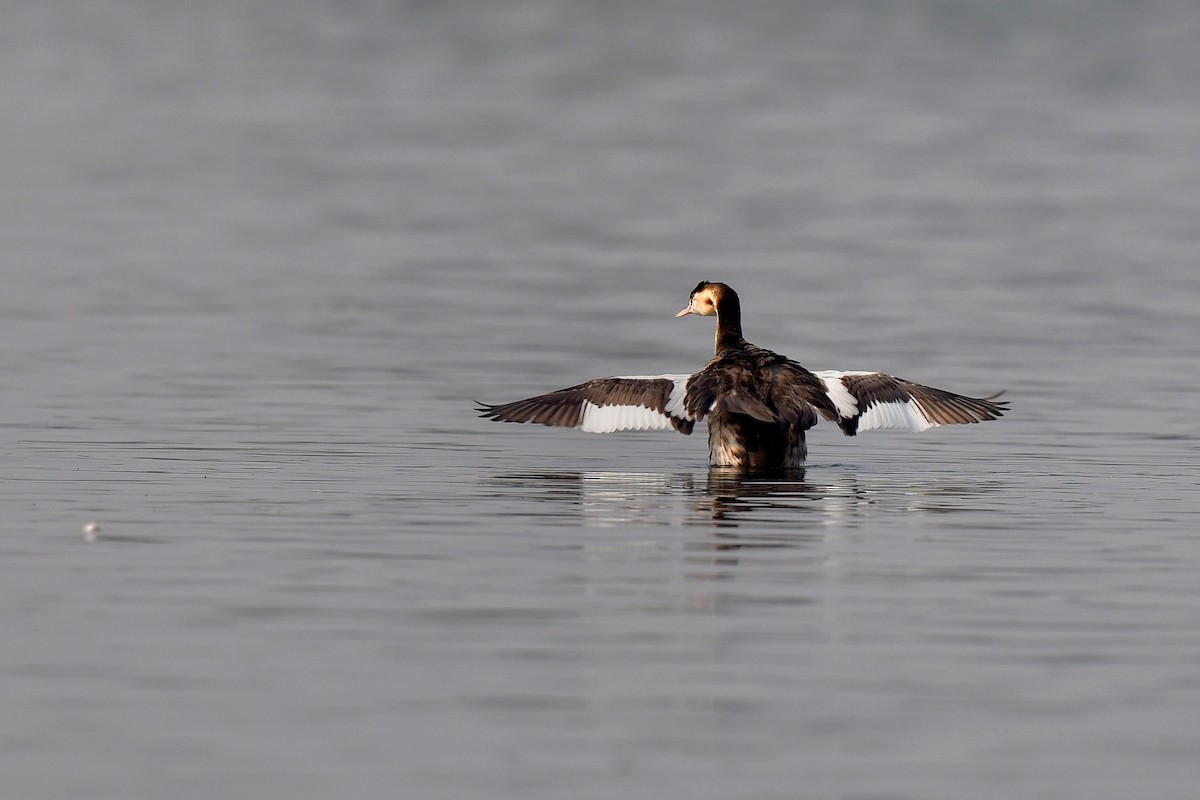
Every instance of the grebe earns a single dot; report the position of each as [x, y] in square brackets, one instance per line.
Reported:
[758, 403]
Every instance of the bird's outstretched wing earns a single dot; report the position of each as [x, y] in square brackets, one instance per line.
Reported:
[875, 400]
[605, 405]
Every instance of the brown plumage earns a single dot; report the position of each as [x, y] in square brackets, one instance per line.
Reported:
[758, 403]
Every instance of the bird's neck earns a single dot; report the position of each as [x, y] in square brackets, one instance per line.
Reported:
[729, 324]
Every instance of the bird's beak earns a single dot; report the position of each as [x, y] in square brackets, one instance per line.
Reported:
[685, 312]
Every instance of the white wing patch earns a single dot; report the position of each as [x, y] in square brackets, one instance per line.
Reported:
[606, 419]
[906, 416]
[675, 401]
[611, 418]
[845, 403]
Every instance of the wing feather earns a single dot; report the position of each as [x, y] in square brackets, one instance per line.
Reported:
[605, 405]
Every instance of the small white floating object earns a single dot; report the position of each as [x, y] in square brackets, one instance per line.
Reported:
[90, 531]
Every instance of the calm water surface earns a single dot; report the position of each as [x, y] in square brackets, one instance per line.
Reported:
[260, 261]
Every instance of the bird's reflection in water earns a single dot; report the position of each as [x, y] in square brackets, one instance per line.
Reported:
[783, 502]
[727, 513]
[774, 509]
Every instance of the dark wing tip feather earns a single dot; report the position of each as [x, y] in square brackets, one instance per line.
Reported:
[947, 408]
[552, 409]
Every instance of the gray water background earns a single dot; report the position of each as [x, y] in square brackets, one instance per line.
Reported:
[258, 259]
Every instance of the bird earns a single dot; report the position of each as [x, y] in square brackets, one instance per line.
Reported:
[758, 404]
